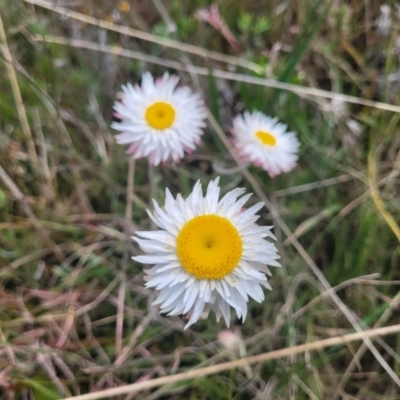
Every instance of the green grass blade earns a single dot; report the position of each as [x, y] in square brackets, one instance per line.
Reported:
[303, 42]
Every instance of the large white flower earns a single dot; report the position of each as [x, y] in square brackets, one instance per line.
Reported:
[209, 254]
[265, 142]
[159, 120]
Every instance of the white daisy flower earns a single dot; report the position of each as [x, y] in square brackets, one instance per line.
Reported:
[209, 254]
[159, 120]
[265, 142]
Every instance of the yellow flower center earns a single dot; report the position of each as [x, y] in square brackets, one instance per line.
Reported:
[266, 138]
[160, 115]
[209, 247]
[124, 6]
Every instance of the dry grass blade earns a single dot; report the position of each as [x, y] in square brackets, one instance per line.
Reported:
[230, 76]
[17, 96]
[372, 176]
[188, 48]
[122, 285]
[214, 369]
[317, 185]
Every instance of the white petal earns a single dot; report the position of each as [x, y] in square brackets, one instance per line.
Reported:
[196, 312]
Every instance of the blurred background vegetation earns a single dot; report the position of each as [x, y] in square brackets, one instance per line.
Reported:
[74, 314]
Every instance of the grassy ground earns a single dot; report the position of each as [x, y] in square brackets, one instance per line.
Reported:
[74, 315]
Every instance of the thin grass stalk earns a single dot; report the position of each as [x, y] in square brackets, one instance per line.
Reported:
[122, 285]
[376, 197]
[217, 73]
[12, 76]
[214, 369]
